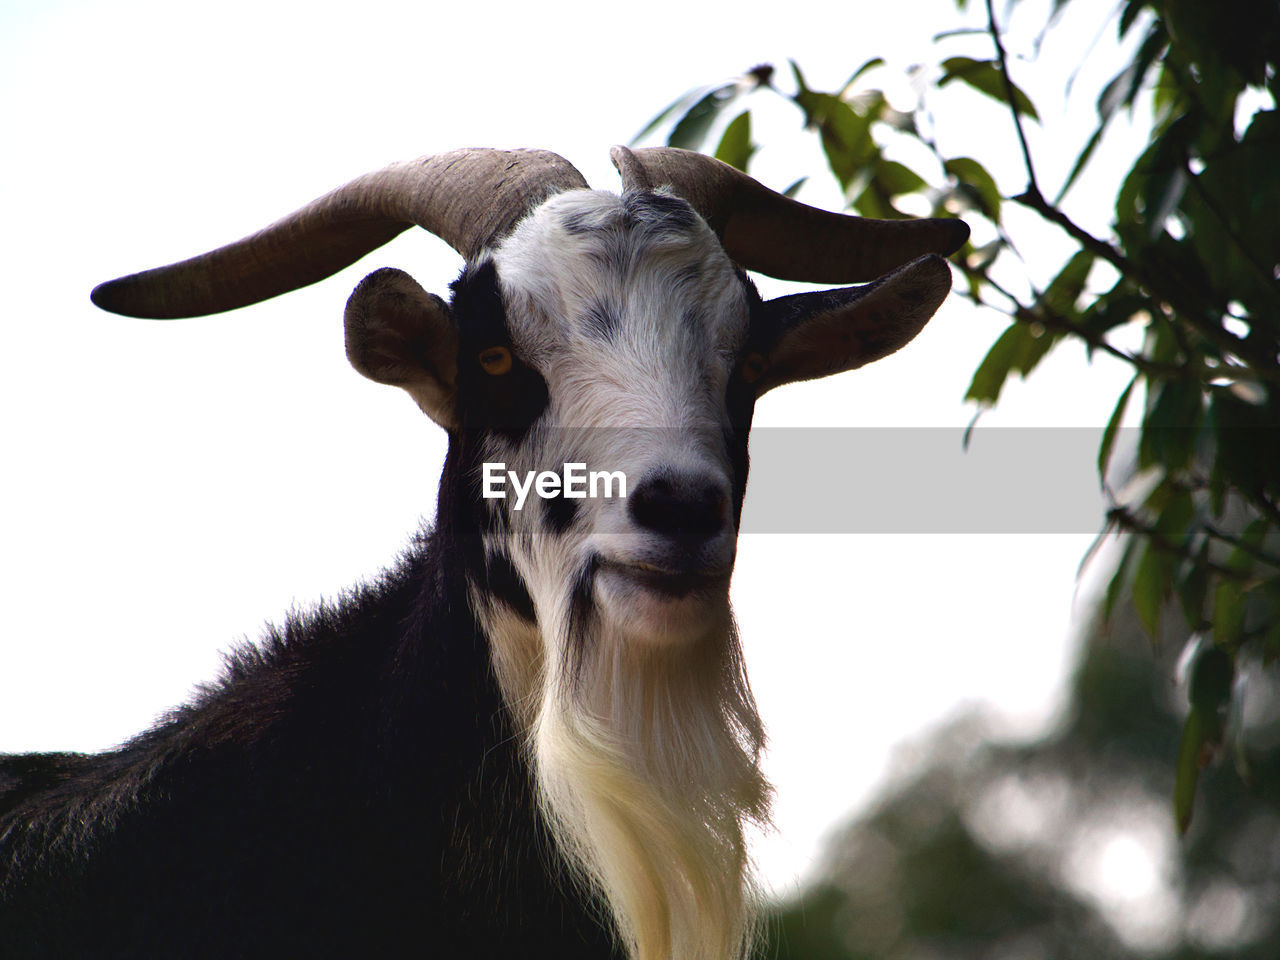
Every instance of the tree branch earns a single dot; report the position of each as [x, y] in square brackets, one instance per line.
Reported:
[1033, 198]
[993, 28]
[1256, 552]
[1129, 523]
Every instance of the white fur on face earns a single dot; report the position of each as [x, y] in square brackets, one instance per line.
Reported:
[635, 324]
[639, 721]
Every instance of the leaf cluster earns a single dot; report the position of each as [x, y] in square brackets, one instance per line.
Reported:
[1192, 257]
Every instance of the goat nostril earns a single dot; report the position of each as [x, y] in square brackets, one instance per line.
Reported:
[679, 505]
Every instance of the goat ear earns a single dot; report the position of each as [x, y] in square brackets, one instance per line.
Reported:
[830, 331]
[397, 333]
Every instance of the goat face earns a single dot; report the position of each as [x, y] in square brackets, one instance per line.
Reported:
[633, 317]
[605, 331]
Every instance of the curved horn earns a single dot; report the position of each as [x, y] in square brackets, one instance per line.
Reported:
[780, 237]
[468, 198]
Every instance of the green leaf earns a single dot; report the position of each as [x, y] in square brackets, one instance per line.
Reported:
[1132, 9]
[1169, 428]
[1228, 612]
[1248, 455]
[985, 77]
[801, 85]
[1039, 343]
[872, 201]
[792, 190]
[989, 378]
[681, 103]
[959, 32]
[978, 259]
[1168, 99]
[1271, 640]
[1065, 289]
[869, 65]
[1162, 194]
[1099, 540]
[1122, 90]
[1137, 193]
[1190, 752]
[735, 146]
[900, 121]
[895, 179]
[846, 137]
[1116, 585]
[1150, 584]
[1017, 350]
[1161, 344]
[1080, 163]
[1217, 490]
[1242, 558]
[1114, 94]
[1194, 588]
[1176, 513]
[845, 133]
[1212, 675]
[1113, 427]
[975, 176]
[1058, 6]
[1155, 185]
[691, 130]
[1129, 205]
[1116, 307]
[1232, 214]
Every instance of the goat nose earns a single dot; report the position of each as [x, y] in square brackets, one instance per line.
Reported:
[679, 505]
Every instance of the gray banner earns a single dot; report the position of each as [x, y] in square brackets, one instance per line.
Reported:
[923, 480]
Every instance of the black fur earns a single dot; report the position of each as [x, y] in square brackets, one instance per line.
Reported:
[582, 613]
[507, 404]
[578, 224]
[351, 788]
[559, 512]
[662, 210]
[506, 585]
[602, 320]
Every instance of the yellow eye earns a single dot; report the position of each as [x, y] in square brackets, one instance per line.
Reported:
[496, 361]
[753, 367]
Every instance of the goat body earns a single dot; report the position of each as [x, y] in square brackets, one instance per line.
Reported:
[344, 791]
[535, 736]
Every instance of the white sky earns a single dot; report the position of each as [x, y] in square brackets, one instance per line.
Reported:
[169, 487]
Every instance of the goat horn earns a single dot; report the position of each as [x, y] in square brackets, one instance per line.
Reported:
[468, 198]
[780, 237]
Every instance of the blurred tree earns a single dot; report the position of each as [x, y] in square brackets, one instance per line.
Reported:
[1192, 256]
[1059, 849]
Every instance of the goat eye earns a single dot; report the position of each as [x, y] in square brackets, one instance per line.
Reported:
[753, 367]
[495, 361]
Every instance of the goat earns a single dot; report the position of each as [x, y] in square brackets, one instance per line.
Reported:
[535, 736]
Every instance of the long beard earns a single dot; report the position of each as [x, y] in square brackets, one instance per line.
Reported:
[647, 765]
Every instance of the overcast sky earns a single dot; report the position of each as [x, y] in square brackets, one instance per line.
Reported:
[170, 487]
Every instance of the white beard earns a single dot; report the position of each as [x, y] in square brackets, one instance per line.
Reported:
[646, 761]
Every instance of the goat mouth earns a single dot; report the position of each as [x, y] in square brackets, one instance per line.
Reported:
[668, 581]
